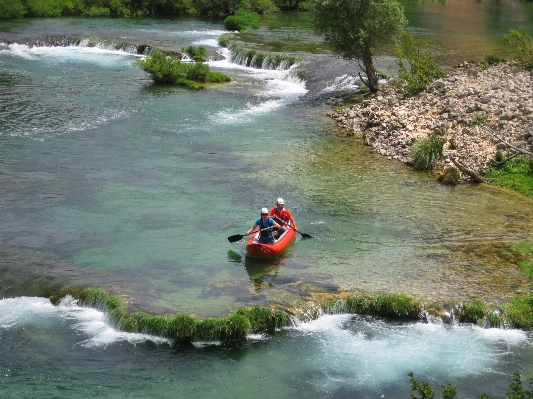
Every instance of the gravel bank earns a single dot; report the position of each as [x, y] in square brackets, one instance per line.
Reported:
[479, 112]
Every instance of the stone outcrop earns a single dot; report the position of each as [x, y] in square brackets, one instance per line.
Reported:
[479, 112]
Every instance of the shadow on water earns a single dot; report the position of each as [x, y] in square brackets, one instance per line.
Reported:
[262, 272]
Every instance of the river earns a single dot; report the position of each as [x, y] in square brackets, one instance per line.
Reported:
[115, 182]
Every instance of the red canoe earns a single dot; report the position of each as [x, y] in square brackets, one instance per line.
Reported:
[262, 250]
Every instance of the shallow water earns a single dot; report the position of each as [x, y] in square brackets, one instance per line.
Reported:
[69, 351]
[136, 187]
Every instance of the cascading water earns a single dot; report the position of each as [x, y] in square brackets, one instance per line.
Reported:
[111, 181]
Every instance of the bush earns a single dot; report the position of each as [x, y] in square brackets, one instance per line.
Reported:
[427, 151]
[423, 68]
[197, 72]
[96, 11]
[11, 9]
[242, 20]
[171, 70]
[196, 53]
[524, 44]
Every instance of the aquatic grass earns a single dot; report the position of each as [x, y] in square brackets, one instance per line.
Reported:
[519, 312]
[516, 174]
[184, 328]
[427, 151]
[264, 319]
[99, 298]
[231, 328]
[473, 312]
[385, 305]
[527, 267]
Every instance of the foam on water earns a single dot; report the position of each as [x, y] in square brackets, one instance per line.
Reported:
[40, 312]
[374, 352]
[94, 55]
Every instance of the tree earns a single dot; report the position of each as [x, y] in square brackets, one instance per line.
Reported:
[354, 29]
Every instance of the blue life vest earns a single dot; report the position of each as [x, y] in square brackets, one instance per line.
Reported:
[269, 222]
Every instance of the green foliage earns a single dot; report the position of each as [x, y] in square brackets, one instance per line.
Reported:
[519, 312]
[223, 41]
[423, 68]
[264, 319]
[355, 29]
[425, 391]
[96, 11]
[46, 8]
[473, 312]
[196, 53]
[242, 20]
[523, 43]
[385, 305]
[479, 119]
[165, 69]
[427, 151]
[516, 390]
[516, 174]
[12, 9]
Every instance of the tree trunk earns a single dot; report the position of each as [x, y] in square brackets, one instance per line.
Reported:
[368, 68]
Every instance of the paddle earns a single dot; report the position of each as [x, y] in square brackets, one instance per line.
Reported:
[238, 237]
[304, 235]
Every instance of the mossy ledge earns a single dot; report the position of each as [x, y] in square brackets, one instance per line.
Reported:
[183, 328]
[516, 313]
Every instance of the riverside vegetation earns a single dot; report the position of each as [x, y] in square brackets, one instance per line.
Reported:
[136, 8]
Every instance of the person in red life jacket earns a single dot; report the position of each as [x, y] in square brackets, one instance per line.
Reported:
[283, 216]
[266, 226]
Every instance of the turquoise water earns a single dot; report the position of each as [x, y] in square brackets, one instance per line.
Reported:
[103, 170]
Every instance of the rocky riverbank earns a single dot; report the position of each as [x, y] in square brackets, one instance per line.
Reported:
[478, 111]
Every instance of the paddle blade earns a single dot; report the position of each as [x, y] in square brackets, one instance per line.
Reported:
[306, 235]
[235, 238]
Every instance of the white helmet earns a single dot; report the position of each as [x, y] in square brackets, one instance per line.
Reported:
[264, 211]
[280, 201]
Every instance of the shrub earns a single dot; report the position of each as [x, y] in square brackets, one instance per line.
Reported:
[524, 44]
[171, 70]
[242, 20]
[423, 68]
[197, 72]
[11, 9]
[196, 53]
[427, 151]
[96, 11]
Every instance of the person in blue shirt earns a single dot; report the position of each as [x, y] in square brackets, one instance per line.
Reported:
[266, 227]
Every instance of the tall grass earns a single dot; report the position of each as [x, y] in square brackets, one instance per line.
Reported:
[427, 151]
